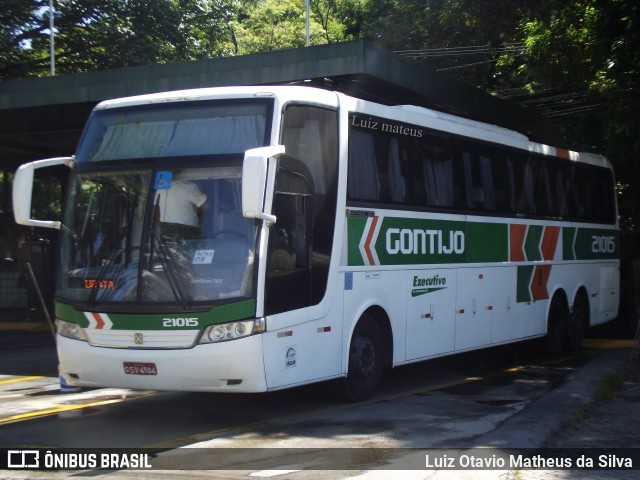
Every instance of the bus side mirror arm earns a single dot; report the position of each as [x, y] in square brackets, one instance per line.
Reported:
[255, 177]
[23, 191]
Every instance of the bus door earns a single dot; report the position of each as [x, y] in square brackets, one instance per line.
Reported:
[289, 268]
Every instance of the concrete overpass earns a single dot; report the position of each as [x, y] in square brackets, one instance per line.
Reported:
[42, 117]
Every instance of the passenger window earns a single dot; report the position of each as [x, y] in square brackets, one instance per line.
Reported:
[363, 181]
[434, 172]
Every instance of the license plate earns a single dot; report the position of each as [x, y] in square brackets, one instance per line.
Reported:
[140, 368]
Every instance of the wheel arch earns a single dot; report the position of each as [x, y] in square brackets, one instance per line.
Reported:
[384, 323]
[582, 295]
[561, 294]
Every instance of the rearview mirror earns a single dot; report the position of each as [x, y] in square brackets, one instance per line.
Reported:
[23, 191]
[254, 181]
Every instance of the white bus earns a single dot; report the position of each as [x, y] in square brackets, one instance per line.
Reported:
[259, 238]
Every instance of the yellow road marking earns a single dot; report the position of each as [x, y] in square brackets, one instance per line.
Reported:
[20, 379]
[607, 343]
[32, 326]
[57, 409]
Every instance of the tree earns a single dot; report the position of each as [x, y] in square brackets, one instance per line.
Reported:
[268, 25]
[593, 47]
[101, 34]
[461, 38]
[21, 22]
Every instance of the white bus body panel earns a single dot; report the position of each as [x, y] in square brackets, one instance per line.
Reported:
[308, 352]
[235, 366]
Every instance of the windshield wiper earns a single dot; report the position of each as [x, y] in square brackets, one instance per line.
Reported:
[165, 257]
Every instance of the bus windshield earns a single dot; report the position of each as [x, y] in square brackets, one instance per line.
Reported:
[153, 208]
[171, 236]
[165, 131]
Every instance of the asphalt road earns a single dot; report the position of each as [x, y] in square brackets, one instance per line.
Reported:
[442, 403]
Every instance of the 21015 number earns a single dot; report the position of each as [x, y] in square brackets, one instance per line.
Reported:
[603, 244]
[179, 322]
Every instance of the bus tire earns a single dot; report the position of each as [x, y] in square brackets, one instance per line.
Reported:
[577, 322]
[556, 327]
[365, 361]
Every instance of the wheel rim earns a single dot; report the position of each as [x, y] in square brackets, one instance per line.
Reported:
[363, 357]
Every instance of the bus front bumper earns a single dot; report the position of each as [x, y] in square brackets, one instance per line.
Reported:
[233, 366]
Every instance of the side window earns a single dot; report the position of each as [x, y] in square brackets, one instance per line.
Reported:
[562, 189]
[310, 135]
[545, 205]
[378, 169]
[433, 172]
[585, 185]
[605, 195]
[396, 172]
[305, 204]
[363, 181]
[524, 171]
[488, 179]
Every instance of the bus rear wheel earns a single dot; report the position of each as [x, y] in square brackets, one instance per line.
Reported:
[556, 327]
[365, 361]
[577, 322]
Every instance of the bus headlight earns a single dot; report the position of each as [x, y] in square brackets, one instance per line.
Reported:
[70, 330]
[232, 331]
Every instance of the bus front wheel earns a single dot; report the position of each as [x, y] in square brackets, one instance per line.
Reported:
[365, 361]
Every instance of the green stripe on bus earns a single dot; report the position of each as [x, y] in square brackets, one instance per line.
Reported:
[596, 244]
[412, 241]
[523, 293]
[487, 242]
[155, 321]
[532, 243]
[355, 231]
[568, 237]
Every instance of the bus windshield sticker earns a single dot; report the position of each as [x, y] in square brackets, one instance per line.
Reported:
[163, 180]
[203, 257]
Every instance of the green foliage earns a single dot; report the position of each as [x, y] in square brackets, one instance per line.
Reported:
[101, 34]
[21, 22]
[593, 46]
[269, 25]
[576, 61]
[272, 25]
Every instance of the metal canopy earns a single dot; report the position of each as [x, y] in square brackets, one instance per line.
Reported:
[42, 117]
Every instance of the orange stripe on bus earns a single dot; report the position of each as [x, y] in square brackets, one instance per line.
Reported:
[539, 282]
[549, 242]
[517, 235]
[367, 243]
